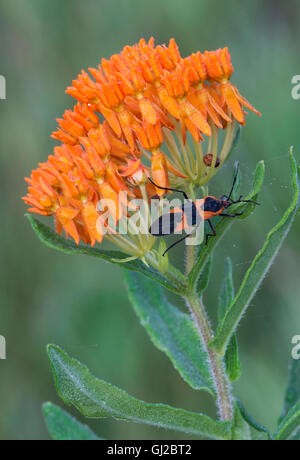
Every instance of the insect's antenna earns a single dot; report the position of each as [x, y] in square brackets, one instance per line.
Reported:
[234, 181]
[244, 201]
[247, 201]
[170, 189]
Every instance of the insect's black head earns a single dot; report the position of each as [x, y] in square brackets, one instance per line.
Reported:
[226, 204]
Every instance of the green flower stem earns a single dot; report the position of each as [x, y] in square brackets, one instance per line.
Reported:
[227, 142]
[190, 257]
[199, 316]
[221, 384]
[191, 250]
[216, 364]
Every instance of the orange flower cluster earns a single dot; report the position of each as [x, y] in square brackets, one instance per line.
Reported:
[122, 108]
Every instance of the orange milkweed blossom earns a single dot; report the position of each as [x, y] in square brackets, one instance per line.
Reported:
[134, 117]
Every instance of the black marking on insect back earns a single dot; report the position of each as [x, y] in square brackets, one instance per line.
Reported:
[212, 204]
[191, 215]
[166, 224]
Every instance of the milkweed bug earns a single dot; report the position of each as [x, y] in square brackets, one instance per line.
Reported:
[192, 213]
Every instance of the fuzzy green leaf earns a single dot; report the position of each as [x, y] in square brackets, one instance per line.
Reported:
[204, 277]
[97, 399]
[171, 331]
[237, 186]
[223, 225]
[232, 361]
[258, 431]
[63, 427]
[226, 294]
[296, 436]
[258, 178]
[290, 425]
[245, 429]
[240, 428]
[292, 394]
[257, 270]
[55, 241]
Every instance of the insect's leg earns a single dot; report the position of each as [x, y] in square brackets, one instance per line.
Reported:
[179, 241]
[169, 189]
[210, 234]
[232, 215]
[225, 198]
[174, 244]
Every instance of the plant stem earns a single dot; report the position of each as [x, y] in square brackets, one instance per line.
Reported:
[222, 387]
[217, 368]
[190, 257]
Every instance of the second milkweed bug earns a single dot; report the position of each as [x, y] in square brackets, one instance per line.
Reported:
[192, 213]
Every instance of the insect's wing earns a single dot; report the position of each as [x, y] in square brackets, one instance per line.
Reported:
[192, 216]
[168, 223]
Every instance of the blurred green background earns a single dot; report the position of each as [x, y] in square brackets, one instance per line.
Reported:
[80, 303]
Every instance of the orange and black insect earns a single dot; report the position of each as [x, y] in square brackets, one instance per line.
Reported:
[192, 213]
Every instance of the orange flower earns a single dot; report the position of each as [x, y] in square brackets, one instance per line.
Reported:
[177, 85]
[135, 172]
[220, 69]
[200, 95]
[160, 171]
[144, 94]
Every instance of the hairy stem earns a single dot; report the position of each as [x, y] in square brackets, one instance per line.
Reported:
[217, 368]
[222, 387]
[190, 257]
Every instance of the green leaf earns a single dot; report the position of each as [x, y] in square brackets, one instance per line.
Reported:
[259, 435]
[240, 428]
[249, 210]
[292, 394]
[245, 429]
[204, 277]
[97, 398]
[173, 281]
[63, 427]
[259, 175]
[257, 270]
[237, 185]
[226, 294]
[232, 360]
[171, 331]
[290, 425]
[223, 225]
[258, 431]
[296, 436]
